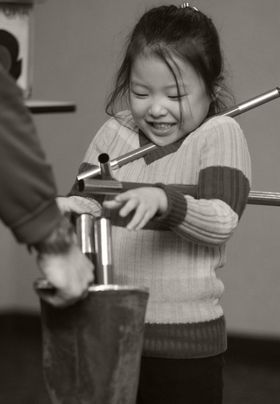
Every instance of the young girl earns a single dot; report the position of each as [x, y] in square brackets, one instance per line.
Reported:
[172, 80]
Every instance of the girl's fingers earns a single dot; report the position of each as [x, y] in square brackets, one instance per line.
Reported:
[118, 201]
[141, 202]
[112, 204]
[128, 207]
[125, 207]
[139, 220]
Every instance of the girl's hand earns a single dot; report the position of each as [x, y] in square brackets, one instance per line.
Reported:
[78, 204]
[146, 202]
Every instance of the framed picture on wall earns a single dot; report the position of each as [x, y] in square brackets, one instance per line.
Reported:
[16, 41]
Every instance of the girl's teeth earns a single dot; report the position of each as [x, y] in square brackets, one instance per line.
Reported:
[161, 125]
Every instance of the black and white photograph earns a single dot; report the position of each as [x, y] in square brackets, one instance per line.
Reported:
[140, 202]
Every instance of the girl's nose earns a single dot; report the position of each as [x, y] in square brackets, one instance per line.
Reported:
[157, 109]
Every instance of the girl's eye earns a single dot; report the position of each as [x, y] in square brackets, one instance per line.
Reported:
[140, 95]
[176, 97]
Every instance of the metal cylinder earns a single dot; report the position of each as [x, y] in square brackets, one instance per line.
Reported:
[253, 103]
[103, 248]
[92, 350]
[105, 166]
[95, 240]
[85, 235]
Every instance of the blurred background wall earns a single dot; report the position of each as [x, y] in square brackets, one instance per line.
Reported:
[77, 48]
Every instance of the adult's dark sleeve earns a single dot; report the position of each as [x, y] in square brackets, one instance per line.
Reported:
[27, 186]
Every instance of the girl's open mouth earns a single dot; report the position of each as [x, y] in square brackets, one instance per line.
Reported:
[161, 125]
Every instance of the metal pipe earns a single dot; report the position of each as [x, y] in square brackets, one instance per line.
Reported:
[84, 231]
[264, 198]
[105, 166]
[95, 240]
[103, 247]
[103, 232]
[142, 151]
[253, 103]
[114, 187]
[85, 235]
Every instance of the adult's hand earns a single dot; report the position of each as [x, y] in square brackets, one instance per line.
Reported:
[69, 274]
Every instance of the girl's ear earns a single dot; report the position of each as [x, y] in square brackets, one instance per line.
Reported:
[217, 90]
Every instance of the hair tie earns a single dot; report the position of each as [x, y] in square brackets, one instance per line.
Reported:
[185, 5]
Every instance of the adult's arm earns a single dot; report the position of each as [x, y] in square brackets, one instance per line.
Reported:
[27, 186]
[27, 204]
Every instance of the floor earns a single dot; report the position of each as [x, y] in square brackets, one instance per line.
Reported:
[252, 372]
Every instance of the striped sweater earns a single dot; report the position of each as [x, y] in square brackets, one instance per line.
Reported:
[176, 255]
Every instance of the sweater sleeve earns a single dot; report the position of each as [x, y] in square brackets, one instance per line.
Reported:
[222, 189]
[27, 203]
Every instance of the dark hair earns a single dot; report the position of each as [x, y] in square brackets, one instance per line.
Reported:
[185, 32]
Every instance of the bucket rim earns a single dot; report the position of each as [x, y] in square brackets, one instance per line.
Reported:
[116, 287]
[42, 284]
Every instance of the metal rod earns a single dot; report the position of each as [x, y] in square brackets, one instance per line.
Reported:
[114, 187]
[103, 247]
[103, 231]
[264, 198]
[252, 103]
[142, 151]
[105, 166]
[85, 235]
[126, 158]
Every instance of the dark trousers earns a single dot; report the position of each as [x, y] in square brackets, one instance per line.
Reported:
[181, 381]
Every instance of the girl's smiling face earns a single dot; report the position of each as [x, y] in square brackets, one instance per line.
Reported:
[159, 111]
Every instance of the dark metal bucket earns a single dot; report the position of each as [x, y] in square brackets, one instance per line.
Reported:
[92, 350]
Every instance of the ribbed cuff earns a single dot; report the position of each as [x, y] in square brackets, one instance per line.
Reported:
[177, 207]
[194, 340]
